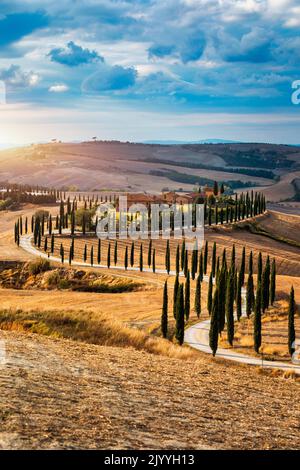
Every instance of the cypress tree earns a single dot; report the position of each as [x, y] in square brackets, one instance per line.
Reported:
[197, 305]
[132, 254]
[243, 265]
[175, 292]
[187, 296]
[167, 257]
[177, 264]
[141, 257]
[52, 243]
[99, 251]
[200, 269]
[164, 313]
[273, 282]
[250, 269]
[214, 324]
[179, 328]
[153, 260]
[62, 253]
[229, 307]
[233, 255]
[213, 259]
[183, 253]
[108, 256]
[291, 322]
[224, 259]
[186, 264]
[239, 298]
[257, 320]
[85, 253]
[92, 255]
[149, 253]
[205, 257]
[210, 294]
[126, 258]
[70, 255]
[259, 268]
[116, 252]
[250, 299]
[222, 280]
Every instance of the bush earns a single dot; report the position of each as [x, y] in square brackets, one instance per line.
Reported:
[40, 266]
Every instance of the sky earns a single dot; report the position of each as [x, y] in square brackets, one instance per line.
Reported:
[149, 70]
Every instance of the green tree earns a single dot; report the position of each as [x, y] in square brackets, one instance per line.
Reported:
[187, 296]
[141, 257]
[250, 298]
[108, 255]
[126, 258]
[213, 259]
[229, 307]
[132, 254]
[291, 322]
[210, 294]
[175, 292]
[239, 298]
[153, 260]
[205, 258]
[197, 304]
[266, 286]
[201, 266]
[92, 255]
[179, 328]
[99, 252]
[149, 253]
[167, 257]
[62, 253]
[177, 264]
[85, 253]
[214, 324]
[243, 265]
[183, 253]
[164, 314]
[216, 188]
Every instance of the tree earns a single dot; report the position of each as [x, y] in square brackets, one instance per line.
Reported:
[85, 253]
[149, 253]
[273, 283]
[177, 263]
[257, 320]
[222, 282]
[92, 255]
[210, 294]
[291, 322]
[259, 268]
[229, 307]
[187, 296]
[213, 259]
[126, 258]
[116, 252]
[179, 328]
[99, 252]
[197, 305]
[205, 258]
[243, 265]
[233, 255]
[164, 314]
[52, 243]
[250, 299]
[183, 253]
[62, 253]
[153, 260]
[141, 257]
[186, 264]
[239, 298]
[46, 244]
[201, 266]
[250, 269]
[216, 188]
[167, 257]
[132, 254]
[175, 292]
[222, 189]
[214, 324]
[108, 256]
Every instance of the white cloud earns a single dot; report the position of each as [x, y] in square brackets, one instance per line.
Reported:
[61, 88]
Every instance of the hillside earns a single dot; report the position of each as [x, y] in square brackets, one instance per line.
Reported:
[138, 167]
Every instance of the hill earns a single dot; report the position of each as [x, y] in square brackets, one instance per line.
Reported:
[146, 167]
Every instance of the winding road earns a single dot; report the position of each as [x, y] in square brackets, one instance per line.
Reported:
[196, 336]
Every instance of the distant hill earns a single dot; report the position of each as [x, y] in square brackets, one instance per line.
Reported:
[191, 142]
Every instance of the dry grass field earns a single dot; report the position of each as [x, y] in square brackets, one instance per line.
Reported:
[71, 353]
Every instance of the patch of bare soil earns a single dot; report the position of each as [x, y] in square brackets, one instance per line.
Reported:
[51, 389]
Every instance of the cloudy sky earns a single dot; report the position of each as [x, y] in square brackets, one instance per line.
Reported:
[149, 69]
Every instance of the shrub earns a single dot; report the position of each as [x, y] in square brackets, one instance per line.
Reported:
[39, 266]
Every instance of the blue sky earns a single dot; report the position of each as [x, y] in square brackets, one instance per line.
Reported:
[149, 69]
